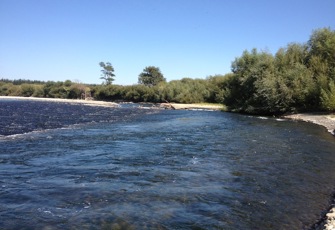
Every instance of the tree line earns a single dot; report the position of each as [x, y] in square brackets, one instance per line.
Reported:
[50, 89]
[186, 90]
[297, 78]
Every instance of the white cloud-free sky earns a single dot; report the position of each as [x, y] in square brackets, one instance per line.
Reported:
[66, 39]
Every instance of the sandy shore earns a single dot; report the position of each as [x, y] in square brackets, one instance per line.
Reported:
[72, 101]
[178, 106]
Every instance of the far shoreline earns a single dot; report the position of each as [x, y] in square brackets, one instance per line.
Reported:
[176, 106]
[71, 101]
[326, 120]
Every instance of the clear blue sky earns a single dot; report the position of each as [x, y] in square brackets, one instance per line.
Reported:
[66, 39]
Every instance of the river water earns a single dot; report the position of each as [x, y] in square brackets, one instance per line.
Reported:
[68, 166]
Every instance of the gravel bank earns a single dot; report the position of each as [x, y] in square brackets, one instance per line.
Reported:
[326, 120]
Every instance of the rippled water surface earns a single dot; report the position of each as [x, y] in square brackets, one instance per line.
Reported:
[68, 166]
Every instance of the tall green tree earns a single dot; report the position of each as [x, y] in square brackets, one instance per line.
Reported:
[151, 76]
[107, 72]
[322, 45]
[244, 90]
[321, 62]
[328, 97]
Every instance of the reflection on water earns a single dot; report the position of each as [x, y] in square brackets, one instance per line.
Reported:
[166, 170]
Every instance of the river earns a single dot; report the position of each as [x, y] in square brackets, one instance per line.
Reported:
[66, 166]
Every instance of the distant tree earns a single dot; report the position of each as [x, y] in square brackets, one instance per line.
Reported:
[151, 76]
[27, 90]
[67, 83]
[107, 72]
[215, 85]
[108, 92]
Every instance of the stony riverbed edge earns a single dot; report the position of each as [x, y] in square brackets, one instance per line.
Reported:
[327, 120]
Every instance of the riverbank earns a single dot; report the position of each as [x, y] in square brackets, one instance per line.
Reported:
[113, 104]
[327, 222]
[325, 120]
[200, 106]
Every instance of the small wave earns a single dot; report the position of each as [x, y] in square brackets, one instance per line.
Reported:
[194, 160]
[31, 135]
[263, 118]
[14, 136]
[37, 132]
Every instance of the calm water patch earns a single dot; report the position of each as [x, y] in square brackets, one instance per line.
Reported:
[68, 166]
